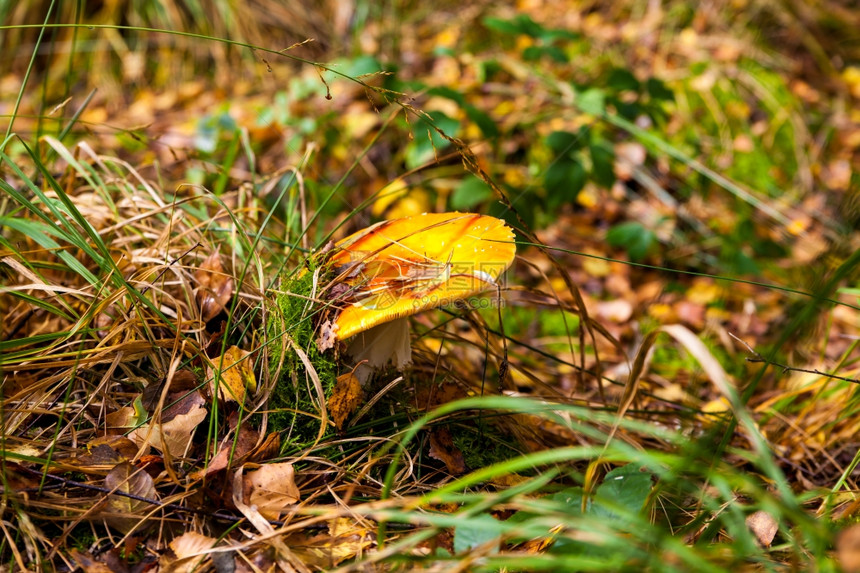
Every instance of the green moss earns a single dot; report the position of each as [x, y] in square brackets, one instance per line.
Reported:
[482, 448]
[294, 404]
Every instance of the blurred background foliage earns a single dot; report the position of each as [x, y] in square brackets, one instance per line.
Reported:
[611, 116]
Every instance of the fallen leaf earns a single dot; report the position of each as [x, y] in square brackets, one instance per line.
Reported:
[442, 448]
[126, 417]
[618, 310]
[848, 549]
[190, 549]
[345, 398]
[270, 448]
[345, 539]
[124, 513]
[100, 454]
[428, 397]
[151, 464]
[216, 287]
[236, 375]
[232, 451]
[173, 436]
[763, 526]
[121, 444]
[508, 480]
[328, 335]
[691, 313]
[628, 157]
[271, 489]
[88, 563]
[283, 555]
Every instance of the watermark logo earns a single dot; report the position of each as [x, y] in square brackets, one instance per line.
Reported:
[385, 283]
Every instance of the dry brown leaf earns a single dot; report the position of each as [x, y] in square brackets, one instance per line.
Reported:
[345, 398]
[190, 549]
[88, 563]
[173, 436]
[628, 157]
[268, 449]
[442, 448]
[236, 375]
[122, 512]
[429, 397]
[508, 480]
[100, 456]
[285, 557]
[618, 310]
[763, 526]
[271, 489]
[122, 419]
[848, 549]
[328, 336]
[230, 454]
[216, 287]
[345, 539]
[123, 446]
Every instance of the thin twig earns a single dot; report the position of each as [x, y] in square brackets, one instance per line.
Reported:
[758, 358]
[68, 482]
[170, 264]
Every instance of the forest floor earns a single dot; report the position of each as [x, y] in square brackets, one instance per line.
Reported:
[664, 379]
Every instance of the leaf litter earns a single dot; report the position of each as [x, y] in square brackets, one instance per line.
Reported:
[88, 389]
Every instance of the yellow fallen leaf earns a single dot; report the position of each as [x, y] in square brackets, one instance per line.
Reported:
[345, 539]
[124, 513]
[236, 375]
[345, 398]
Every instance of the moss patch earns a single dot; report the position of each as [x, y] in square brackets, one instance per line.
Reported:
[294, 402]
[485, 447]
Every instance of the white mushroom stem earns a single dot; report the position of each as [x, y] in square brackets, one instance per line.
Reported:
[384, 343]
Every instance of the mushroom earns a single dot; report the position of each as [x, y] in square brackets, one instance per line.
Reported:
[397, 268]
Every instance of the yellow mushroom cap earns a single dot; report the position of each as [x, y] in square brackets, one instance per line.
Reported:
[400, 267]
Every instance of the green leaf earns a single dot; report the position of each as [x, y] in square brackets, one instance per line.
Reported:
[427, 141]
[563, 180]
[521, 24]
[634, 238]
[603, 163]
[39, 232]
[471, 192]
[625, 487]
[534, 53]
[564, 141]
[571, 497]
[550, 35]
[591, 101]
[657, 90]
[475, 531]
[503, 26]
[449, 93]
[622, 80]
[362, 66]
[739, 262]
[482, 120]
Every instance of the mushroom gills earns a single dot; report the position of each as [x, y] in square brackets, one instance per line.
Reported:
[376, 347]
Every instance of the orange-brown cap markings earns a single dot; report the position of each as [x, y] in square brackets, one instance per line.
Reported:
[400, 267]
